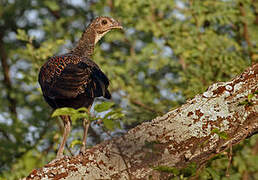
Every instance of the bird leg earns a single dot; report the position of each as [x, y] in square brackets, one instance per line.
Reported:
[67, 128]
[86, 125]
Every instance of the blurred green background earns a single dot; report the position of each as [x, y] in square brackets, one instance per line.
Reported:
[170, 51]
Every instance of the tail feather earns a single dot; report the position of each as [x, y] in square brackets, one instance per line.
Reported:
[107, 94]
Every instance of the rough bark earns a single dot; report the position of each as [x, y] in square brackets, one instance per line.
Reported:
[182, 136]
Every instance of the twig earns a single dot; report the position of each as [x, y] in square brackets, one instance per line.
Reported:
[246, 33]
[196, 176]
[7, 80]
[5, 134]
[69, 149]
[255, 148]
[245, 175]
[255, 11]
[138, 103]
[110, 4]
[122, 156]
[230, 159]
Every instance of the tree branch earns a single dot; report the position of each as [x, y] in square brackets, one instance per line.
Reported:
[190, 133]
[246, 32]
[255, 6]
[6, 80]
[148, 108]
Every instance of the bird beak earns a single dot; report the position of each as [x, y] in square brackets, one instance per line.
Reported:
[117, 25]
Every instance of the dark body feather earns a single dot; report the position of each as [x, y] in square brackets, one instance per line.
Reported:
[72, 81]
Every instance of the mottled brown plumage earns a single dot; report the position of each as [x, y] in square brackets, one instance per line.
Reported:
[72, 79]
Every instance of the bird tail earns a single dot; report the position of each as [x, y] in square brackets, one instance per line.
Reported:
[107, 94]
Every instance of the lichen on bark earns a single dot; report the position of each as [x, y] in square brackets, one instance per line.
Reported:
[192, 133]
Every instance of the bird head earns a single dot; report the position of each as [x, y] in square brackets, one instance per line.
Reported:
[102, 25]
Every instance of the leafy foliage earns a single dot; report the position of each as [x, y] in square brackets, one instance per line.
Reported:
[222, 135]
[111, 115]
[248, 101]
[73, 113]
[103, 106]
[169, 52]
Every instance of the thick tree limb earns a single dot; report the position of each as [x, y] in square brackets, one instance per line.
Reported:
[187, 134]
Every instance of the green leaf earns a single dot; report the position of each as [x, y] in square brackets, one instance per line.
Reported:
[78, 115]
[52, 5]
[250, 96]
[103, 106]
[167, 169]
[222, 134]
[22, 35]
[116, 114]
[75, 142]
[109, 124]
[109, 114]
[243, 103]
[190, 169]
[63, 111]
[215, 130]
[73, 113]
[213, 173]
[84, 109]
[246, 102]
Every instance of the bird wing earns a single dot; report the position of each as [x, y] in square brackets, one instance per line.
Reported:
[74, 78]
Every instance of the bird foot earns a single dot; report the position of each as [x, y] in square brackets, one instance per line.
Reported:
[82, 150]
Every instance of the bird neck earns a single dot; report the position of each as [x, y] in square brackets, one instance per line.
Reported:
[86, 44]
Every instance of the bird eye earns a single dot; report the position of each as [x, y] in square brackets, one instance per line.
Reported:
[104, 22]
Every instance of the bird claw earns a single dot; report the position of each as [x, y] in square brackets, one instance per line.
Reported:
[82, 150]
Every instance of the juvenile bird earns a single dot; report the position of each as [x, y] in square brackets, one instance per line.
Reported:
[73, 79]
